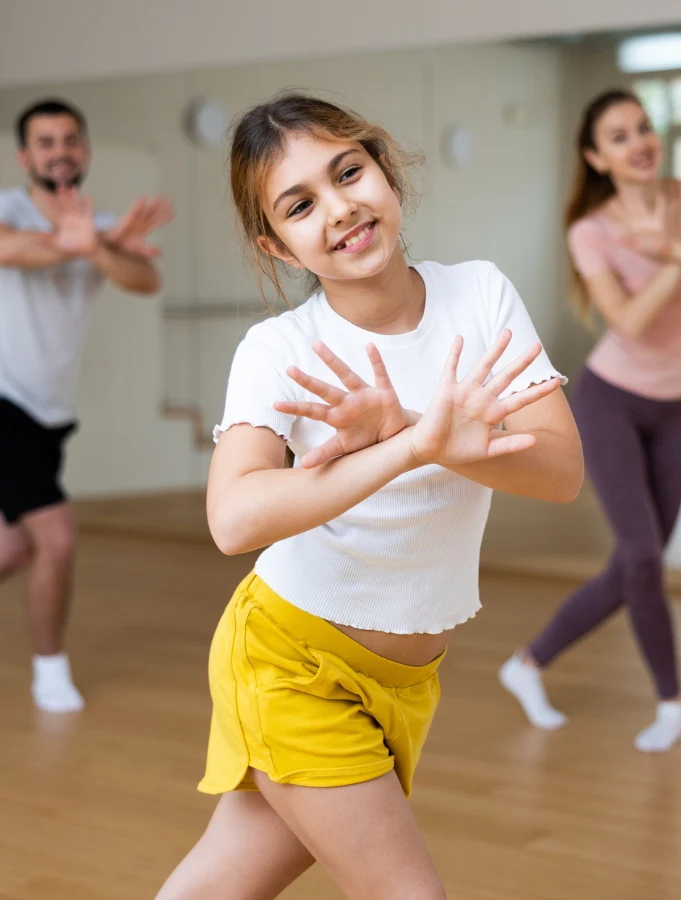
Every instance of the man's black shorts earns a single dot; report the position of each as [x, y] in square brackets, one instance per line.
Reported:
[31, 458]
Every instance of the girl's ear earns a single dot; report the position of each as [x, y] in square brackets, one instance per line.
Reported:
[272, 247]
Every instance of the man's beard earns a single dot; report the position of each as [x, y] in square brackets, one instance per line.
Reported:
[49, 184]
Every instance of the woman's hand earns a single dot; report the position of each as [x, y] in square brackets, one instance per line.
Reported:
[362, 415]
[460, 424]
[650, 232]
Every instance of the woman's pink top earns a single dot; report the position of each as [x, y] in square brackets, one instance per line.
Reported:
[649, 365]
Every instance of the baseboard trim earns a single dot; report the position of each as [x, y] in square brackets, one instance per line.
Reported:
[555, 567]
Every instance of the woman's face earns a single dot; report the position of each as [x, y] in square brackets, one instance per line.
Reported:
[332, 209]
[627, 148]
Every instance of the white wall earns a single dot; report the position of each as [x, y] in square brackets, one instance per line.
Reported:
[505, 205]
[124, 444]
[45, 39]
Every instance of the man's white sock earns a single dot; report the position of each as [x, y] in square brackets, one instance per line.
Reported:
[53, 688]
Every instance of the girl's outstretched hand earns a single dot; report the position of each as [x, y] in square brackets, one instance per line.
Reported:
[362, 415]
[460, 423]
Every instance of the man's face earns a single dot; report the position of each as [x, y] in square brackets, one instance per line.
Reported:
[57, 152]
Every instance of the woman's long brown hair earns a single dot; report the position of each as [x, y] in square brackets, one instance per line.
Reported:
[590, 189]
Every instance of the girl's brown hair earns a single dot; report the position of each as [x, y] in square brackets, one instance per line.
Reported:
[590, 189]
[259, 140]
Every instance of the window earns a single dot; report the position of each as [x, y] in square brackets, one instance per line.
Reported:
[656, 99]
[676, 159]
[675, 99]
[661, 98]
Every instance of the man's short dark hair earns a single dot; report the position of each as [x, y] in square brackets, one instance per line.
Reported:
[50, 107]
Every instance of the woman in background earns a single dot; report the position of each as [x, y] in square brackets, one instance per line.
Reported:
[625, 243]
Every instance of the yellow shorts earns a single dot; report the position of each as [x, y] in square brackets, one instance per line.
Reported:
[297, 699]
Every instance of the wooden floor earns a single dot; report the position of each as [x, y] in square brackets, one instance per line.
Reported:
[102, 805]
[180, 515]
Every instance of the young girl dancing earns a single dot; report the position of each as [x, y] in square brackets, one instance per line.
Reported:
[323, 668]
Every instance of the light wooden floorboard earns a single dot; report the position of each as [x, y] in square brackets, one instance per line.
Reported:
[103, 805]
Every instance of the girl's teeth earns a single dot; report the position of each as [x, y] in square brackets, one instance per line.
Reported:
[357, 238]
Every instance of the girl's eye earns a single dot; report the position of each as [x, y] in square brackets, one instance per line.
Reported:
[646, 128]
[619, 138]
[299, 208]
[350, 172]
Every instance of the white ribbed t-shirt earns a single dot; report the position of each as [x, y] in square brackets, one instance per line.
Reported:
[405, 560]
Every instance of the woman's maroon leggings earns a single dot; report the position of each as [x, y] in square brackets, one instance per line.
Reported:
[632, 450]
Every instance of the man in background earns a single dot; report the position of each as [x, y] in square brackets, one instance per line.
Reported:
[55, 252]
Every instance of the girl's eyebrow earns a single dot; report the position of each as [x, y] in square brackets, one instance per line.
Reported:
[300, 188]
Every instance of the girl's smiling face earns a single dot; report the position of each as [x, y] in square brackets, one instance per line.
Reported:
[332, 209]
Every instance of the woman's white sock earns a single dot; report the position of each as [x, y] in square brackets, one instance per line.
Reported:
[665, 730]
[525, 683]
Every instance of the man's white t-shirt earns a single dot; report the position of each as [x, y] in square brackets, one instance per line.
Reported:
[44, 319]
